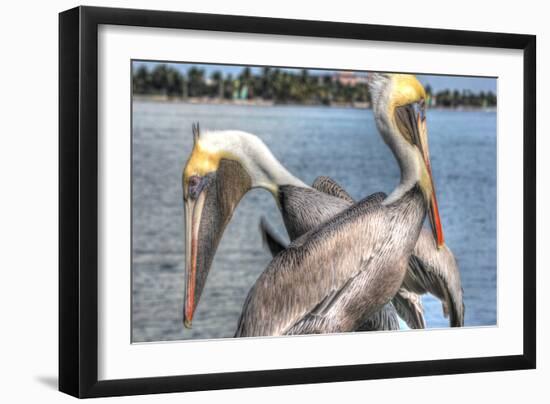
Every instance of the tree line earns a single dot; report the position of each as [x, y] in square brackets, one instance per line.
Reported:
[278, 86]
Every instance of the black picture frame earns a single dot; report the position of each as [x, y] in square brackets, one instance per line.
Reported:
[78, 201]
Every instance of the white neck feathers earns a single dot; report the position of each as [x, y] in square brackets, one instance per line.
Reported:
[264, 169]
[407, 156]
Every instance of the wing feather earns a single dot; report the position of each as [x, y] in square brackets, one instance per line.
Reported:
[296, 279]
[330, 187]
[431, 270]
[270, 238]
[435, 271]
[409, 307]
[383, 320]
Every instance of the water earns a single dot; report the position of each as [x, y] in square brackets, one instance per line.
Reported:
[309, 141]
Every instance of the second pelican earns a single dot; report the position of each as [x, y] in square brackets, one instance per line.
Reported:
[222, 168]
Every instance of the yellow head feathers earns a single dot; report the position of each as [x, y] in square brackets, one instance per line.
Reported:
[201, 162]
[406, 89]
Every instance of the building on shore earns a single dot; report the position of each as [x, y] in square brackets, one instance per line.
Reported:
[348, 78]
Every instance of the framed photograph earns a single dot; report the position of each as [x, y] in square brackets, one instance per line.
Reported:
[251, 201]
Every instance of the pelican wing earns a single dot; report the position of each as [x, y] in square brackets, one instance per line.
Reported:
[435, 271]
[330, 187]
[431, 270]
[270, 238]
[383, 320]
[410, 309]
[327, 186]
[313, 271]
[333, 313]
[406, 304]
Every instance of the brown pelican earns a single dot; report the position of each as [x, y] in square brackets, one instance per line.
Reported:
[366, 247]
[243, 163]
[295, 203]
[406, 303]
[298, 288]
[431, 269]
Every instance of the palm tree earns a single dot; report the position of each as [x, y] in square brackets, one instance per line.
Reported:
[266, 83]
[141, 83]
[173, 82]
[217, 84]
[196, 82]
[228, 87]
[245, 79]
[159, 79]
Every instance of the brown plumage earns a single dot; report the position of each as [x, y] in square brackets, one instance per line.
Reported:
[294, 295]
[340, 268]
[303, 209]
[335, 276]
[431, 270]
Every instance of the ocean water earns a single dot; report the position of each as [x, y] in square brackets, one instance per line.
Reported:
[310, 141]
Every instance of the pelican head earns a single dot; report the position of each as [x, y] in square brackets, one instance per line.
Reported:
[399, 106]
[222, 168]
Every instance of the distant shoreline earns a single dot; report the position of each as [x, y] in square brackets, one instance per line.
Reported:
[259, 102]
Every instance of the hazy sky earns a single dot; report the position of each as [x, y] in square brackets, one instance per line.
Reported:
[437, 82]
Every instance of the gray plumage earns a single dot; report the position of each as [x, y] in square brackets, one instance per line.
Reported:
[270, 238]
[431, 270]
[384, 319]
[435, 271]
[304, 209]
[345, 263]
[406, 304]
[409, 307]
[364, 248]
[329, 186]
[210, 200]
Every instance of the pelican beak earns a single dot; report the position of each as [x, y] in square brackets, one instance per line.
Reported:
[209, 204]
[203, 230]
[193, 214]
[433, 212]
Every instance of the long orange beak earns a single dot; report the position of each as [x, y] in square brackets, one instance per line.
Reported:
[193, 214]
[435, 220]
[433, 213]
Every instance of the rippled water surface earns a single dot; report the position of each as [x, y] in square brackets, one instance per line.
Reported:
[309, 141]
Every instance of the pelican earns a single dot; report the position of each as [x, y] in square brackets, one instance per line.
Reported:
[229, 164]
[295, 202]
[364, 249]
[431, 270]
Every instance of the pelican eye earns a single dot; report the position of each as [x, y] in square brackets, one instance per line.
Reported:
[194, 181]
[195, 185]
